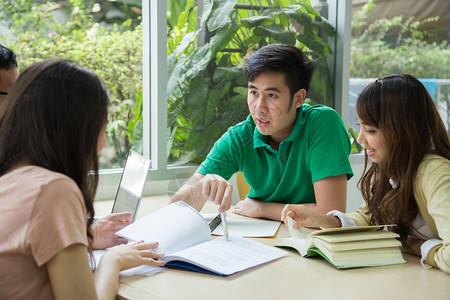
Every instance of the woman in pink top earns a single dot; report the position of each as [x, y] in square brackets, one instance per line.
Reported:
[52, 127]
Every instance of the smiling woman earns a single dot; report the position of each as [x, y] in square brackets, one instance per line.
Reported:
[373, 140]
[408, 182]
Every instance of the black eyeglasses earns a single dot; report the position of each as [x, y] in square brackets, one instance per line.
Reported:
[3, 93]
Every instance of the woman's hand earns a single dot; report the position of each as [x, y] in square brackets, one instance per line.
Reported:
[104, 230]
[122, 257]
[304, 217]
[301, 215]
[134, 254]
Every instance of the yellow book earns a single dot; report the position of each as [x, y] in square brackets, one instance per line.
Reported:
[350, 247]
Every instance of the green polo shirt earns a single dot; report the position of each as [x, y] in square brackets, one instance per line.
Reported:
[317, 147]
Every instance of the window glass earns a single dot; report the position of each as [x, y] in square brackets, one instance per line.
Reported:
[397, 37]
[103, 36]
[208, 43]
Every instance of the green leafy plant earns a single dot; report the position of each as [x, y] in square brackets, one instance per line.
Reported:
[397, 45]
[135, 126]
[356, 148]
[113, 51]
[206, 89]
[410, 52]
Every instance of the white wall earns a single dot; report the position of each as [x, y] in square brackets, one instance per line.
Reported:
[354, 197]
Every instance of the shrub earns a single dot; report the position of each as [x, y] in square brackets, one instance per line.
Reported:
[112, 51]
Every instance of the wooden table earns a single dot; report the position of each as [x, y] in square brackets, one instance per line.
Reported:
[290, 277]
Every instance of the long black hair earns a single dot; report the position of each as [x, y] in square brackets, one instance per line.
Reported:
[401, 108]
[53, 117]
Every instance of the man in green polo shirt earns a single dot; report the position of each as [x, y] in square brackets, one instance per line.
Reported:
[288, 151]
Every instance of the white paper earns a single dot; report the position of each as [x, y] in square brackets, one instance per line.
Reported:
[175, 227]
[246, 227]
[228, 257]
[299, 233]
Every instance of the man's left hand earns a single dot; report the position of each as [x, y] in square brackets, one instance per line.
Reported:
[248, 207]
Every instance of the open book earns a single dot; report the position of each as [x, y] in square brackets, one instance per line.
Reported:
[185, 238]
[350, 247]
[246, 227]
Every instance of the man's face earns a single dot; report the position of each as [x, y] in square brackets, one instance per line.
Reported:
[269, 102]
[7, 78]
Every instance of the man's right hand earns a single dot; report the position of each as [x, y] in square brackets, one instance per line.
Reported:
[218, 190]
[200, 188]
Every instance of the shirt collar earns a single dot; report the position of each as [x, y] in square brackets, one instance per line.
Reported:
[260, 140]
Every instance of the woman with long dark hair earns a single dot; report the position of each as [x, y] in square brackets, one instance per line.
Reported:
[407, 182]
[52, 127]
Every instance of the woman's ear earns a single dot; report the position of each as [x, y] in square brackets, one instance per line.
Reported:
[299, 98]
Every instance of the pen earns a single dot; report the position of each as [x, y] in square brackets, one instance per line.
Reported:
[223, 216]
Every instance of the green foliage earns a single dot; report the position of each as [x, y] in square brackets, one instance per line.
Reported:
[396, 45]
[206, 89]
[356, 148]
[374, 54]
[175, 13]
[135, 126]
[114, 52]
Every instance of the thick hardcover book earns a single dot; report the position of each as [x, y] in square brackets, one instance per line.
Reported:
[351, 247]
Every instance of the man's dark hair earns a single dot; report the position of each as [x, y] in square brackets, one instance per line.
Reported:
[7, 58]
[287, 59]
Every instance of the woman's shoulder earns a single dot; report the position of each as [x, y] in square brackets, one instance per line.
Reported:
[37, 176]
[432, 178]
[432, 163]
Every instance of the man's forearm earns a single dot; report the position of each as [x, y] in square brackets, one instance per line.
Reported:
[272, 211]
[331, 194]
[322, 210]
